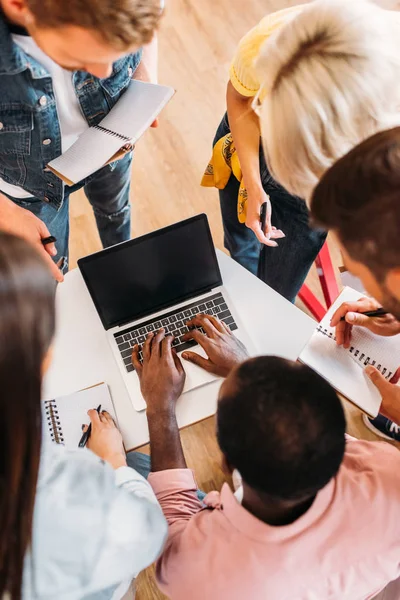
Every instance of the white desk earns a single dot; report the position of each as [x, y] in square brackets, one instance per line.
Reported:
[82, 356]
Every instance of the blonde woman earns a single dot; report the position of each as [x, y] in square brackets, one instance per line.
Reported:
[314, 80]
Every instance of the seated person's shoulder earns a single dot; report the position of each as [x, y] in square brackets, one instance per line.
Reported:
[374, 465]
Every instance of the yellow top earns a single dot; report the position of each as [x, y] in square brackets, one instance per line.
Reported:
[242, 72]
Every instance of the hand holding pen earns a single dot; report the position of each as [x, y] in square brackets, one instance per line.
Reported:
[104, 438]
[365, 312]
[87, 431]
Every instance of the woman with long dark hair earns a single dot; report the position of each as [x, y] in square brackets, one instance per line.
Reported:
[70, 526]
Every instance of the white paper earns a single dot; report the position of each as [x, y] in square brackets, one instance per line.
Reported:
[342, 368]
[134, 112]
[72, 411]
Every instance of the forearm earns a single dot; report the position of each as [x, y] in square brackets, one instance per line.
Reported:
[245, 131]
[165, 442]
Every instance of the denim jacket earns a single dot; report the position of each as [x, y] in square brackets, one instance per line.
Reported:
[30, 135]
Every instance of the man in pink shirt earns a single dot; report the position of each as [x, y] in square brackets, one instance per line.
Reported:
[319, 517]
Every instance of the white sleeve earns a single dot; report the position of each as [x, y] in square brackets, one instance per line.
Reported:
[135, 529]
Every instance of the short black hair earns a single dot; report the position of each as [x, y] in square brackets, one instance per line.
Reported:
[282, 426]
[359, 198]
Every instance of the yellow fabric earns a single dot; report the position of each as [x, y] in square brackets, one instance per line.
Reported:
[224, 162]
[242, 71]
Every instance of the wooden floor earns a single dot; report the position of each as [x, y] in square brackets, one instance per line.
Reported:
[197, 42]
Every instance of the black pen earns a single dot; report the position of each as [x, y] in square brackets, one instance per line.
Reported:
[379, 312]
[49, 240]
[84, 439]
[263, 216]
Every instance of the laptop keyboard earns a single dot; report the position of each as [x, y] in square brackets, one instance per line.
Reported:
[174, 323]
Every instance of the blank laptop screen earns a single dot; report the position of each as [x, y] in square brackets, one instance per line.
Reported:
[144, 275]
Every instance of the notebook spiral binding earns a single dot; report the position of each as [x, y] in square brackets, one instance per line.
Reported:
[114, 133]
[53, 421]
[358, 354]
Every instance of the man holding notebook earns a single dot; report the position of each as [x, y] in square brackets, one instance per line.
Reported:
[63, 66]
[317, 515]
[358, 199]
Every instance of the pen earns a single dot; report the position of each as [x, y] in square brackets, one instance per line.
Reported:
[379, 312]
[84, 439]
[263, 216]
[263, 220]
[49, 240]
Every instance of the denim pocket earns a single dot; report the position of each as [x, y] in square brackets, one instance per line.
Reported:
[16, 125]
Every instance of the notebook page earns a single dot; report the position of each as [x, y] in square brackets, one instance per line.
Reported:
[341, 367]
[90, 153]
[137, 108]
[72, 411]
[367, 347]
[343, 373]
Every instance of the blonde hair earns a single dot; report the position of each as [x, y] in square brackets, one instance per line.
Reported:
[329, 78]
[122, 24]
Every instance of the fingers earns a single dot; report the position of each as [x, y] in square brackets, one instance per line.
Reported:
[156, 343]
[343, 334]
[197, 336]
[276, 234]
[396, 376]
[94, 417]
[135, 360]
[155, 123]
[198, 360]
[178, 362]
[207, 322]
[260, 235]
[45, 233]
[378, 380]
[361, 305]
[105, 417]
[147, 347]
[166, 349]
[55, 271]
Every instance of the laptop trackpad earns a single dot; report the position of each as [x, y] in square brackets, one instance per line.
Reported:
[195, 376]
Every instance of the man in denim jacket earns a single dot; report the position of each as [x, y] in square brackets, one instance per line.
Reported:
[62, 68]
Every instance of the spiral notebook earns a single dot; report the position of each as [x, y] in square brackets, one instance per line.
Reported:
[344, 368]
[115, 135]
[63, 417]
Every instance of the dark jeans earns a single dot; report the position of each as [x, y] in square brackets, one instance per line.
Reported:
[108, 193]
[286, 267]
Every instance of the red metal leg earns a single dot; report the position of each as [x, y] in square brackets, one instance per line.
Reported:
[328, 283]
[312, 303]
[326, 275]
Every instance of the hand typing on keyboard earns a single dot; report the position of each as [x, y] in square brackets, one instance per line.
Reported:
[223, 349]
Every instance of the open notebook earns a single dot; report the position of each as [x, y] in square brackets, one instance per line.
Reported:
[63, 417]
[115, 135]
[344, 368]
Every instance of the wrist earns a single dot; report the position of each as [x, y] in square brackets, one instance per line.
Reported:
[161, 415]
[116, 460]
[254, 186]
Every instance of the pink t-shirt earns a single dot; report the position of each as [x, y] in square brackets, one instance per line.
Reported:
[345, 547]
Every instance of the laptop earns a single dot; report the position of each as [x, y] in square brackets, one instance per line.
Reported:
[162, 279]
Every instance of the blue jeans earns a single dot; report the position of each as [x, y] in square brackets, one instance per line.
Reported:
[142, 464]
[108, 193]
[283, 268]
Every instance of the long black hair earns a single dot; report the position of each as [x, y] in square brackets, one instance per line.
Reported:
[26, 329]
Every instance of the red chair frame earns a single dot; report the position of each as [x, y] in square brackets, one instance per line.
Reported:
[328, 283]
